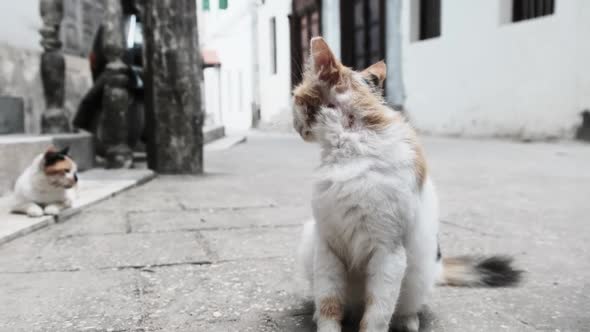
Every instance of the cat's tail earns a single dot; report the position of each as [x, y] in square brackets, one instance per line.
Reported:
[479, 271]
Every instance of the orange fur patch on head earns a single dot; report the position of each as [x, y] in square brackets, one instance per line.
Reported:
[373, 111]
[331, 308]
[60, 167]
[307, 94]
[378, 120]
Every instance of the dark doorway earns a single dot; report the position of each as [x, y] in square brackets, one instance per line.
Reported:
[362, 32]
[306, 22]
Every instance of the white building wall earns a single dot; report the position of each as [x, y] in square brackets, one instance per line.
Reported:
[230, 33]
[486, 76]
[275, 88]
[583, 55]
[331, 25]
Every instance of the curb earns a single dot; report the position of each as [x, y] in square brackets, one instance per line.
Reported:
[21, 225]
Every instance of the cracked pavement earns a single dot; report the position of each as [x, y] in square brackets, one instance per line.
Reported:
[217, 252]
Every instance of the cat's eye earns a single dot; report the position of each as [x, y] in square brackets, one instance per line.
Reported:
[330, 105]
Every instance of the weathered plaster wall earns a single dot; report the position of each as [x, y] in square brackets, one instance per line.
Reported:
[20, 77]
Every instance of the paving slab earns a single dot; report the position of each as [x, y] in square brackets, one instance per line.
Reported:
[181, 297]
[95, 222]
[151, 221]
[253, 243]
[62, 301]
[114, 251]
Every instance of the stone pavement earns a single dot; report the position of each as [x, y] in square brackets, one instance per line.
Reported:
[216, 253]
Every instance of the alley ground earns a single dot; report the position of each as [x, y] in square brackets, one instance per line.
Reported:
[216, 253]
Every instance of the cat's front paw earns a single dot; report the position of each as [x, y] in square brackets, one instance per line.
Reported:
[409, 323]
[34, 211]
[52, 210]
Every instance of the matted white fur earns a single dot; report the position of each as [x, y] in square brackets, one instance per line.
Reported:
[375, 235]
[36, 193]
[374, 243]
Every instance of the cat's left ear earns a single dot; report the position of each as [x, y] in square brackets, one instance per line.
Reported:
[324, 63]
[65, 151]
[376, 73]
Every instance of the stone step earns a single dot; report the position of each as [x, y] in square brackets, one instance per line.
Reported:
[18, 151]
[95, 185]
[225, 143]
[212, 133]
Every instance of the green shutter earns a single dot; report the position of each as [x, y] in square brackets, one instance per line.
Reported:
[205, 5]
[223, 4]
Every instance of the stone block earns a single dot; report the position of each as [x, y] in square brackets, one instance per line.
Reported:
[81, 148]
[12, 115]
[212, 133]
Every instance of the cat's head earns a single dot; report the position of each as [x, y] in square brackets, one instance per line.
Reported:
[59, 168]
[354, 96]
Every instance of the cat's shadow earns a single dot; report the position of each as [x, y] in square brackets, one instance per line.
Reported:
[303, 318]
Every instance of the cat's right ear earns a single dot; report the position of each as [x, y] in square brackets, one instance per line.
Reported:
[376, 73]
[324, 63]
[65, 151]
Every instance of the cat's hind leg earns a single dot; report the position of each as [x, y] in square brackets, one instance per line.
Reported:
[424, 264]
[416, 287]
[30, 209]
[385, 271]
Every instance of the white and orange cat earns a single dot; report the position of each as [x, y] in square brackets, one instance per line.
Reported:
[47, 186]
[373, 244]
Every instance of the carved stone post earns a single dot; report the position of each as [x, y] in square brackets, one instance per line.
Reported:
[116, 95]
[173, 97]
[53, 69]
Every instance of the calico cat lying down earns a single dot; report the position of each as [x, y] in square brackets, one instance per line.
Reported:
[47, 186]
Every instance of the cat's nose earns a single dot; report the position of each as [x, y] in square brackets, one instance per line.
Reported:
[76, 177]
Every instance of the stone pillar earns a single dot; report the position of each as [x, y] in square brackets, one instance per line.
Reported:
[116, 95]
[53, 69]
[173, 98]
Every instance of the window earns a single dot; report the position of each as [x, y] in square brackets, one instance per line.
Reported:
[429, 24]
[362, 32]
[305, 22]
[527, 9]
[273, 45]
